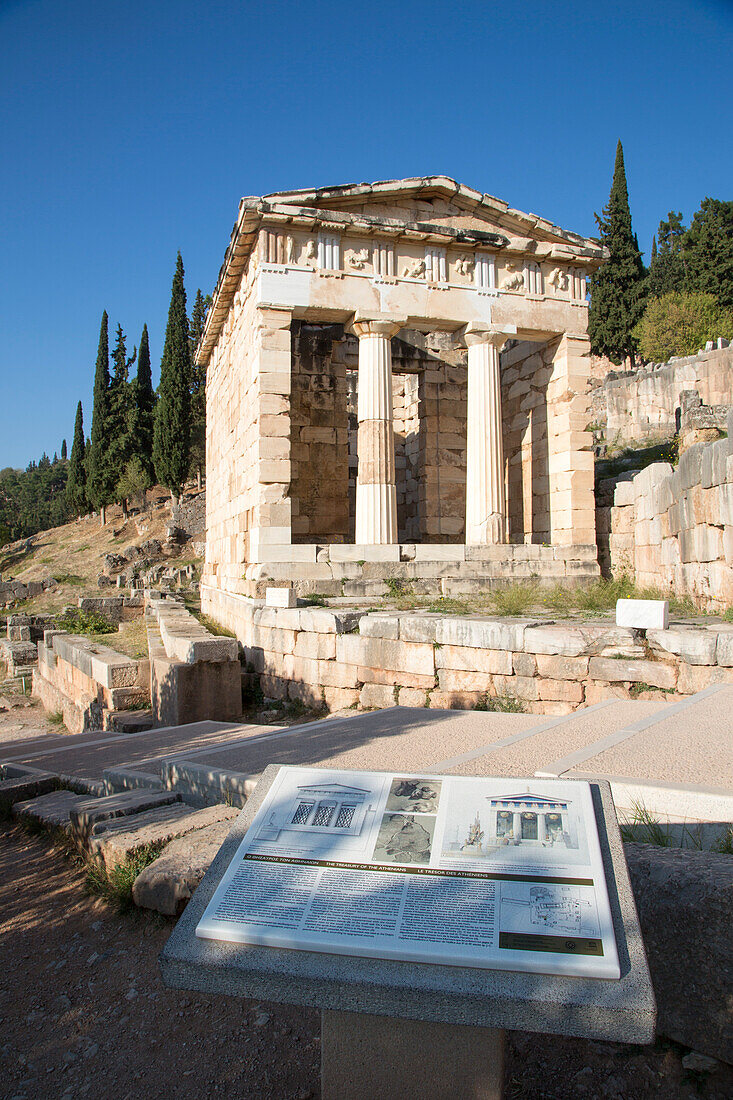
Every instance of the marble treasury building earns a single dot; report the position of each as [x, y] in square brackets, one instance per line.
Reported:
[396, 388]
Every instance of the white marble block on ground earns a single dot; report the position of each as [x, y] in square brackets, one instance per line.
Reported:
[643, 614]
[281, 597]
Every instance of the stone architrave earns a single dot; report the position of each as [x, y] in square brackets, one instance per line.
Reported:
[376, 490]
[485, 491]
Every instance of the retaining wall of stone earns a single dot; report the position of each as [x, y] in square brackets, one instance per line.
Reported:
[194, 675]
[673, 528]
[85, 681]
[351, 658]
[636, 405]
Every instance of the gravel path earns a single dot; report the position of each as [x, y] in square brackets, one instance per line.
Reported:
[83, 1013]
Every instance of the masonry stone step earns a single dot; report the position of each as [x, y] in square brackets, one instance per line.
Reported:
[130, 721]
[168, 882]
[21, 788]
[89, 817]
[120, 838]
[50, 810]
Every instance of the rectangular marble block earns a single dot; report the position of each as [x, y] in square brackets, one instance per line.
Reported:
[595, 1008]
[281, 597]
[643, 614]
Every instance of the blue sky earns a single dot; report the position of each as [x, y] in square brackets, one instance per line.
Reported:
[131, 130]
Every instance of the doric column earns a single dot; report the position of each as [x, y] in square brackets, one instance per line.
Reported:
[485, 496]
[376, 492]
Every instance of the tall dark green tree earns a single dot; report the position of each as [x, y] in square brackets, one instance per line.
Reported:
[121, 446]
[667, 273]
[101, 473]
[64, 451]
[708, 250]
[617, 289]
[141, 421]
[198, 386]
[76, 484]
[172, 433]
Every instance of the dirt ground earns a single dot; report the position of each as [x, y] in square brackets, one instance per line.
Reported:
[20, 715]
[83, 1013]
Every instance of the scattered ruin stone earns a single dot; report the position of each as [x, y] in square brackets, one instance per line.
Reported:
[166, 884]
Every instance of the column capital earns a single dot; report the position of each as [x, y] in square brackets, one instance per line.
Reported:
[482, 332]
[386, 325]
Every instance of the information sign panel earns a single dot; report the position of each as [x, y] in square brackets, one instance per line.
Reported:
[481, 872]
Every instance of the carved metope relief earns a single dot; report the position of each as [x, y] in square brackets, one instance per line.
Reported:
[559, 279]
[514, 278]
[311, 252]
[465, 265]
[358, 260]
[414, 269]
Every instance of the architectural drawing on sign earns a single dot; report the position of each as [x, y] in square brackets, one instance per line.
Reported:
[551, 908]
[326, 809]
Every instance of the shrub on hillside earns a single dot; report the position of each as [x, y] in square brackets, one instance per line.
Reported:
[681, 324]
[76, 621]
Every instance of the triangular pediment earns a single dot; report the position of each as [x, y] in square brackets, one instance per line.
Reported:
[427, 201]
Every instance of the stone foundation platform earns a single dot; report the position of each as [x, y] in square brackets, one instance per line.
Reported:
[442, 568]
[348, 657]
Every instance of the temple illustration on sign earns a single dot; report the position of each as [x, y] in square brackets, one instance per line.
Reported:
[317, 810]
[505, 823]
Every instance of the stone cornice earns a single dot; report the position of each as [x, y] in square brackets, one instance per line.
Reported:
[295, 208]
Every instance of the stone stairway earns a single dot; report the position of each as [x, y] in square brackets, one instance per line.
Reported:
[110, 828]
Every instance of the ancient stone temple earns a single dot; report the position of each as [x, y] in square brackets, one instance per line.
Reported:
[396, 388]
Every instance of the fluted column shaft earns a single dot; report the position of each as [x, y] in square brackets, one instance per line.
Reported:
[485, 494]
[376, 490]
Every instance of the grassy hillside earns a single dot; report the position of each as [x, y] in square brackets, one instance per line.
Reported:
[74, 553]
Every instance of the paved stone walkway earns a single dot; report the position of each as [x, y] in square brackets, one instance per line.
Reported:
[679, 755]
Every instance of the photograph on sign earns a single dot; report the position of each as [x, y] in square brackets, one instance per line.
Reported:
[491, 873]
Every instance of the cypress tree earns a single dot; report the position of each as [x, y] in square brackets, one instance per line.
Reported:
[143, 410]
[64, 452]
[198, 386]
[172, 432]
[617, 289]
[76, 494]
[101, 474]
[120, 411]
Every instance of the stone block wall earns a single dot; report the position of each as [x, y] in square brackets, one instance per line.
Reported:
[526, 370]
[406, 403]
[672, 529]
[633, 406]
[349, 658]
[319, 435]
[194, 675]
[547, 450]
[85, 681]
